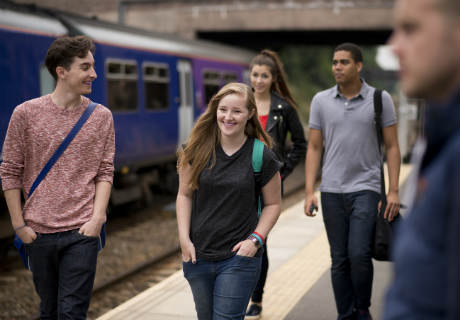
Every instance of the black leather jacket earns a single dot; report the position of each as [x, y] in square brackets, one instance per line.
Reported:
[283, 118]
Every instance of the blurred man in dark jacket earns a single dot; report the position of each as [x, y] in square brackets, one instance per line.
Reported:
[426, 40]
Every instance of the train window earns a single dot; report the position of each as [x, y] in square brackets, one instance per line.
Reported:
[230, 77]
[211, 82]
[114, 68]
[156, 86]
[131, 69]
[121, 85]
[47, 82]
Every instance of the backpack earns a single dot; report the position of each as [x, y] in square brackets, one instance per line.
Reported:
[257, 161]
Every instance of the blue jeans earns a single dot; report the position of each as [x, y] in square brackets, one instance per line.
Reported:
[221, 289]
[63, 265]
[349, 219]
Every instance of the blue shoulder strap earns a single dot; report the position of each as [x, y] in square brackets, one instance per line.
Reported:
[64, 144]
[60, 150]
[257, 161]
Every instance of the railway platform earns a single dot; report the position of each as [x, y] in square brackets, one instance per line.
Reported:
[298, 284]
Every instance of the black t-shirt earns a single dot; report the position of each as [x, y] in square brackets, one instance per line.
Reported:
[224, 209]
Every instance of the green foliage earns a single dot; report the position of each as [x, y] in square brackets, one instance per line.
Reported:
[309, 70]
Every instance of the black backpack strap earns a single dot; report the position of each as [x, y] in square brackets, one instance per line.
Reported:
[378, 106]
[378, 115]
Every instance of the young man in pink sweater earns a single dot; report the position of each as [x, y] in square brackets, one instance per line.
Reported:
[61, 221]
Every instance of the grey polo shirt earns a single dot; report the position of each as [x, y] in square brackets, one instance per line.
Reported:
[351, 157]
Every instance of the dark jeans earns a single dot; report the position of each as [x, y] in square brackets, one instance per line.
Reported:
[349, 219]
[259, 289]
[221, 289]
[63, 265]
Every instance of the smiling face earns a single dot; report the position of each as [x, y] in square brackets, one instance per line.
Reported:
[261, 78]
[232, 115]
[344, 68]
[79, 76]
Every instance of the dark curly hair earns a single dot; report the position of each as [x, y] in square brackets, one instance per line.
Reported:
[63, 51]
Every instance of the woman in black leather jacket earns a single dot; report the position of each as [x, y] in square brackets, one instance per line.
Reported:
[278, 115]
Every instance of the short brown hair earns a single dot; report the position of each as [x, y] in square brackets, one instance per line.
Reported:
[63, 51]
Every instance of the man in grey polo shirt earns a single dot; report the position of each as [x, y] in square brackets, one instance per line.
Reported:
[343, 117]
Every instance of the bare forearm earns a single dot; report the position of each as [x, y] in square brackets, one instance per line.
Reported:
[268, 218]
[101, 200]
[13, 201]
[271, 194]
[312, 163]
[183, 212]
[394, 164]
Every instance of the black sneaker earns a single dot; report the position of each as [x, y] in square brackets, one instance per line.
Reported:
[253, 312]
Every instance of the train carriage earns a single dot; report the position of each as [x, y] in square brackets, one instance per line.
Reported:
[155, 85]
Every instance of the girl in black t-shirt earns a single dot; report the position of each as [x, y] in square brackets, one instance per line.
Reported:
[220, 232]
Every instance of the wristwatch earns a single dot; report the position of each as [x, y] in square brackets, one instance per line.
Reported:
[255, 241]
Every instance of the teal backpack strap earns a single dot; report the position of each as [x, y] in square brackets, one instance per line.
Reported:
[257, 161]
[257, 155]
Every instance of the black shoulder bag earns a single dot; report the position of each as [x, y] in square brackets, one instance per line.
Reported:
[383, 233]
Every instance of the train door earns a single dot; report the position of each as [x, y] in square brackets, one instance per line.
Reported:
[186, 115]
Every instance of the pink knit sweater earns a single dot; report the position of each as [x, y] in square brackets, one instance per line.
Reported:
[64, 199]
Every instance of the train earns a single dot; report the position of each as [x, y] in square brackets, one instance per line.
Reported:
[156, 86]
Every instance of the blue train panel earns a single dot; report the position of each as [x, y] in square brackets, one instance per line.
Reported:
[138, 79]
[142, 136]
[20, 58]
